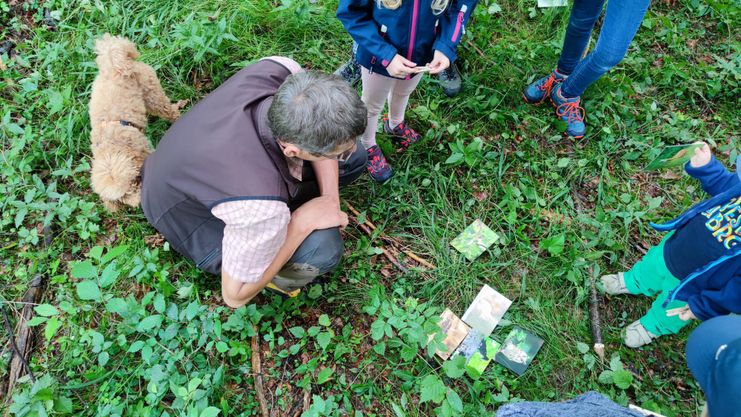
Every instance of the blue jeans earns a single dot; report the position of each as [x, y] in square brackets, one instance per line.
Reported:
[622, 20]
[714, 357]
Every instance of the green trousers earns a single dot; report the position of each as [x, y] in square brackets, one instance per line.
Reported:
[650, 277]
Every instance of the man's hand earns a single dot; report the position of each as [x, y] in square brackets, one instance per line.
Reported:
[400, 67]
[439, 63]
[317, 214]
[701, 157]
[684, 313]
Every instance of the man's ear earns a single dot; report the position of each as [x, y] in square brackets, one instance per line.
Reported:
[291, 151]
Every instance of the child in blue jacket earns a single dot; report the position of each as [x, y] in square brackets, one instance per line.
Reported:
[696, 269]
[398, 40]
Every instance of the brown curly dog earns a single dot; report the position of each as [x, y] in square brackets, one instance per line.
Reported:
[123, 93]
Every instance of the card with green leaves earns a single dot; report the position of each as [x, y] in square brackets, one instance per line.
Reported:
[518, 350]
[673, 156]
[479, 351]
[454, 329]
[475, 240]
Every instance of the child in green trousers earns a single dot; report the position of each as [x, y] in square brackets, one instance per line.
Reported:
[695, 272]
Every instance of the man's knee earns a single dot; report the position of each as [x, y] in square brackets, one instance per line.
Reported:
[319, 253]
[351, 169]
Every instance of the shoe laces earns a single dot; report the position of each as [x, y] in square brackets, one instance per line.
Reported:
[547, 85]
[571, 110]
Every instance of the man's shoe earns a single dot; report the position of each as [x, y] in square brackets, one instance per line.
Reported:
[401, 134]
[636, 335]
[568, 110]
[540, 89]
[378, 167]
[450, 80]
[350, 71]
[614, 284]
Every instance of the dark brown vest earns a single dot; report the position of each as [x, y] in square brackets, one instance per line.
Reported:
[220, 150]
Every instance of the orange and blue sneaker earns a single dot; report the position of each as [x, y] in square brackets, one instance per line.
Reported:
[540, 89]
[568, 110]
[401, 134]
[378, 168]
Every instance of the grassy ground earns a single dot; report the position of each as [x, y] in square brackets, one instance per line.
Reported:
[128, 327]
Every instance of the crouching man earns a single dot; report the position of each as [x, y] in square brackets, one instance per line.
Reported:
[246, 183]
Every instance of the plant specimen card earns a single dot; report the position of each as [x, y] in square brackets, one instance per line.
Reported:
[474, 240]
[518, 350]
[479, 351]
[674, 156]
[486, 310]
[551, 3]
[455, 331]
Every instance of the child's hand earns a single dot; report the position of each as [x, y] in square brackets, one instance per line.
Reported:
[439, 63]
[684, 313]
[701, 157]
[400, 67]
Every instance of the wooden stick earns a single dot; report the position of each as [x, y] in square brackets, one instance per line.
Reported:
[386, 252]
[257, 372]
[390, 240]
[599, 344]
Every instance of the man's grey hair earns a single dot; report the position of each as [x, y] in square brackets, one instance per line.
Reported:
[317, 112]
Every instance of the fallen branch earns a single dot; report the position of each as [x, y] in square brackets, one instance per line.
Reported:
[257, 372]
[368, 227]
[386, 252]
[599, 344]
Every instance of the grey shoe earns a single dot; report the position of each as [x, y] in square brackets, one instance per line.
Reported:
[450, 81]
[614, 284]
[350, 71]
[636, 335]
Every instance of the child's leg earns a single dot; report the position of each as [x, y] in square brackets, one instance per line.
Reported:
[398, 98]
[647, 277]
[375, 89]
[581, 21]
[656, 321]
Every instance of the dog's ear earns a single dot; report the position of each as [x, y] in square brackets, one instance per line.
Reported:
[116, 53]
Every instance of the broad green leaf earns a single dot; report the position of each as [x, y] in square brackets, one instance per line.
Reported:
[454, 400]
[36, 321]
[622, 379]
[221, 347]
[432, 389]
[113, 253]
[324, 320]
[380, 348]
[324, 375]
[377, 329]
[455, 367]
[88, 290]
[84, 270]
[117, 305]
[210, 412]
[136, 346]
[554, 245]
[95, 252]
[63, 405]
[323, 339]
[149, 323]
[606, 377]
[298, 332]
[109, 275]
[582, 347]
[51, 328]
[46, 310]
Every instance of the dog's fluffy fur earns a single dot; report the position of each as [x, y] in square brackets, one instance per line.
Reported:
[124, 90]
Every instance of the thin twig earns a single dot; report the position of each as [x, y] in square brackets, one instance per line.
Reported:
[257, 371]
[599, 343]
[386, 252]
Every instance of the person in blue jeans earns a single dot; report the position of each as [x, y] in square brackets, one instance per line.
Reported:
[565, 85]
[714, 357]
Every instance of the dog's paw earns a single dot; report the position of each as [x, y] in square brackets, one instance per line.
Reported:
[182, 103]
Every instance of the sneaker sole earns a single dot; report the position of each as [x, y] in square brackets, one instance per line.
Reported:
[535, 103]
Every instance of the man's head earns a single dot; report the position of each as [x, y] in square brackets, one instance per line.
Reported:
[316, 116]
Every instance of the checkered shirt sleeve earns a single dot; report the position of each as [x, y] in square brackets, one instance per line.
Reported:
[255, 231]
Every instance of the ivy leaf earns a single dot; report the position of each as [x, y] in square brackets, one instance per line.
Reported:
[149, 323]
[622, 379]
[432, 389]
[88, 290]
[324, 376]
[46, 310]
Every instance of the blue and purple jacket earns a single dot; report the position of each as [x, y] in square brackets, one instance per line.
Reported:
[412, 31]
[714, 289]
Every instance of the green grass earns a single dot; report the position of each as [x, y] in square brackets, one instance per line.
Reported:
[679, 83]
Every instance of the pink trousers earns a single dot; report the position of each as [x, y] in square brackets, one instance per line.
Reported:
[377, 89]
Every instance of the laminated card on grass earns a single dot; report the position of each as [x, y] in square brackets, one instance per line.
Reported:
[486, 310]
[479, 351]
[455, 331]
[518, 350]
[474, 240]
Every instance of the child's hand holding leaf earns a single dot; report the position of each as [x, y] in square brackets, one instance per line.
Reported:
[702, 156]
